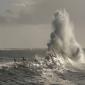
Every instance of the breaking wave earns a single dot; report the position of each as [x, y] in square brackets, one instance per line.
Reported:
[63, 65]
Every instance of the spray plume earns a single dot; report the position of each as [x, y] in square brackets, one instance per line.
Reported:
[63, 39]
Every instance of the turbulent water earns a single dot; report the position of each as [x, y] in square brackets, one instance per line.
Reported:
[63, 64]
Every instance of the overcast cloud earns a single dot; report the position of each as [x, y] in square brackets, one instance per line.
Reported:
[38, 15]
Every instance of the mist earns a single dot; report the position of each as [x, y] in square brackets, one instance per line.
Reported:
[24, 36]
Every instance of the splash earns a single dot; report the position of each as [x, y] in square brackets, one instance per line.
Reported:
[63, 40]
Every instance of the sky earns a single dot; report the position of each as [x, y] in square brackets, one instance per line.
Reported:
[27, 23]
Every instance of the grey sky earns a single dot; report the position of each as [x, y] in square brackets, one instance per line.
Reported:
[20, 18]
